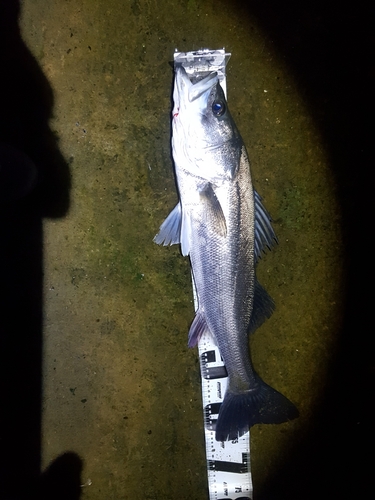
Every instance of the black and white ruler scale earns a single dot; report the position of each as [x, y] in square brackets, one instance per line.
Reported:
[228, 462]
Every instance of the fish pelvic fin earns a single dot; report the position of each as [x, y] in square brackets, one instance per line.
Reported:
[170, 231]
[262, 405]
[176, 229]
[186, 230]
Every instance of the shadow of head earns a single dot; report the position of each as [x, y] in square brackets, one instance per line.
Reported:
[26, 107]
[62, 479]
[34, 183]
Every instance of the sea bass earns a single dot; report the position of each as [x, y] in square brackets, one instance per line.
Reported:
[222, 225]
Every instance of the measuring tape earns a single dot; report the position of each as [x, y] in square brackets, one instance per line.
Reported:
[228, 462]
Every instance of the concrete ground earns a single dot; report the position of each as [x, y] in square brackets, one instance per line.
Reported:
[120, 402]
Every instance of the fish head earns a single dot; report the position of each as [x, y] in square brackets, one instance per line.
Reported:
[205, 138]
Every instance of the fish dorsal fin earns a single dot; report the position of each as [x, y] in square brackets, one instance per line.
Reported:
[263, 307]
[170, 231]
[265, 236]
[213, 211]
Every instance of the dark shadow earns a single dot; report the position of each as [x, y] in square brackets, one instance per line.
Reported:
[329, 49]
[34, 183]
[62, 479]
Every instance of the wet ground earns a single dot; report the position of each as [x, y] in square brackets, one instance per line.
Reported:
[120, 402]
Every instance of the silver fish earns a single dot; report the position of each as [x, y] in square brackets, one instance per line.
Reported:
[222, 225]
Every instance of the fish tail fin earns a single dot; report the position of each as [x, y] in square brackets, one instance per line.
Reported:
[262, 405]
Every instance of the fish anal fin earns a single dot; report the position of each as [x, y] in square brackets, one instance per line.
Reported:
[197, 328]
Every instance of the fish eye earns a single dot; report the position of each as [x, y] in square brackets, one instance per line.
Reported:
[218, 108]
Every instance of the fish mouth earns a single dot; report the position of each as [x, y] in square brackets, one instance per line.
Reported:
[199, 88]
[193, 91]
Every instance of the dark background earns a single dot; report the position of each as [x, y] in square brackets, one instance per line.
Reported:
[26, 105]
[329, 48]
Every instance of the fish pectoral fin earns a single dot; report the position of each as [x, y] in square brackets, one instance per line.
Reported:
[198, 326]
[170, 231]
[214, 213]
[263, 307]
[265, 236]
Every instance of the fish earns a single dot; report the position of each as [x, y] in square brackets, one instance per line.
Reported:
[222, 225]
